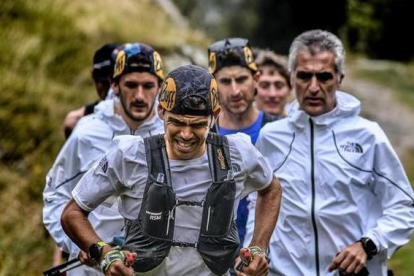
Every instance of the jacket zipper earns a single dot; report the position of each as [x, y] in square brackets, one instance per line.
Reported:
[315, 229]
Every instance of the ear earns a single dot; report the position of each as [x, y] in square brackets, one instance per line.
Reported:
[340, 78]
[217, 112]
[256, 76]
[161, 112]
[115, 87]
[214, 117]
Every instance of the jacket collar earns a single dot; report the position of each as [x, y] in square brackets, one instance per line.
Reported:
[105, 111]
[347, 106]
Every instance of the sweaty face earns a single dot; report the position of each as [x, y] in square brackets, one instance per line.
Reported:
[137, 92]
[315, 81]
[272, 91]
[236, 89]
[185, 135]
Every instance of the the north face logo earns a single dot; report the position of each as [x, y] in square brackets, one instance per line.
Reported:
[352, 147]
[104, 164]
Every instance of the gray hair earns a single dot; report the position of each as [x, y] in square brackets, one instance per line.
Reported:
[315, 41]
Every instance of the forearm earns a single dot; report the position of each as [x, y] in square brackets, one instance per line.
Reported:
[77, 226]
[266, 214]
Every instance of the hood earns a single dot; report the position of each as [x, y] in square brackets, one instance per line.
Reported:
[347, 106]
[105, 111]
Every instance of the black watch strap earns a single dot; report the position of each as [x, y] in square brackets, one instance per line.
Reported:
[369, 247]
[95, 250]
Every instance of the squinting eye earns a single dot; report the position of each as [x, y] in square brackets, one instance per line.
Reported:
[131, 85]
[149, 86]
[225, 81]
[304, 75]
[324, 76]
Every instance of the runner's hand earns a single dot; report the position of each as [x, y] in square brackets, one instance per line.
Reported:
[83, 258]
[257, 267]
[350, 260]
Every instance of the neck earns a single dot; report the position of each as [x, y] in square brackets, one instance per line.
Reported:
[131, 123]
[238, 121]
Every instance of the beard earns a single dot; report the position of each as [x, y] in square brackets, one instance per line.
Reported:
[130, 114]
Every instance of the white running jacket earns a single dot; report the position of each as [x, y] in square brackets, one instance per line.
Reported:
[341, 181]
[86, 145]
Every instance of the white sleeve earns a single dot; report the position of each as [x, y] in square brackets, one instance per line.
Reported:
[255, 171]
[76, 156]
[110, 175]
[392, 187]
[60, 180]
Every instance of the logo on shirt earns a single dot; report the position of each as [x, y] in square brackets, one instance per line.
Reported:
[221, 159]
[104, 164]
[154, 216]
[236, 167]
[352, 147]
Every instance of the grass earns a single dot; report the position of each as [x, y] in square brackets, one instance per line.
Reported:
[396, 76]
[47, 48]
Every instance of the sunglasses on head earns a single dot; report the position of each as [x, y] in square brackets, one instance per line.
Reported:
[226, 44]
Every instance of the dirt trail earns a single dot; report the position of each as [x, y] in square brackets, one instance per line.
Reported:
[380, 104]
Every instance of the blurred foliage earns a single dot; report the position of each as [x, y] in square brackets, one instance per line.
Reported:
[47, 48]
[396, 76]
[375, 28]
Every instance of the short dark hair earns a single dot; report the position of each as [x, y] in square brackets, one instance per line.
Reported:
[194, 103]
[270, 59]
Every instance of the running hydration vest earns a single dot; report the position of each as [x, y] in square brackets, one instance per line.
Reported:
[151, 234]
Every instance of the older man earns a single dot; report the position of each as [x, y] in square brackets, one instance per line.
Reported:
[347, 203]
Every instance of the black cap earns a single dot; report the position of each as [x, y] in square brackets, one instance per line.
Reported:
[102, 69]
[230, 52]
[186, 81]
[137, 57]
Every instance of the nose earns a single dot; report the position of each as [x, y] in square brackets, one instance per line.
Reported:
[186, 133]
[314, 85]
[139, 93]
[272, 90]
[235, 89]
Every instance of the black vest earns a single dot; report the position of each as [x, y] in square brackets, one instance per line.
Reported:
[151, 235]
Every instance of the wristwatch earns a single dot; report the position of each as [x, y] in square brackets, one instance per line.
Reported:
[95, 250]
[369, 247]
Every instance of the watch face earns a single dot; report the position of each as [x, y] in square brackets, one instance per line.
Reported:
[95, 252]
[370, 245]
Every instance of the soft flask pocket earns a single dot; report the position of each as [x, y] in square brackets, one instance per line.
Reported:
[156, 212]
[218, 209]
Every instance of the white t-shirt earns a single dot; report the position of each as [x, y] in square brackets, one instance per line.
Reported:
[123, 171]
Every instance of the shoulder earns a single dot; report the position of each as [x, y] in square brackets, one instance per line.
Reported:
[239, 140]
[92, 126]
[362, 128]
[129, 147]
[240, 146]
[125, 142]
[267, 118]
[276, 129]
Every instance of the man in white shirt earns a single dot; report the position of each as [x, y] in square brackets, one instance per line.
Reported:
[137, 82]
[347, 203]
[179, 191]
